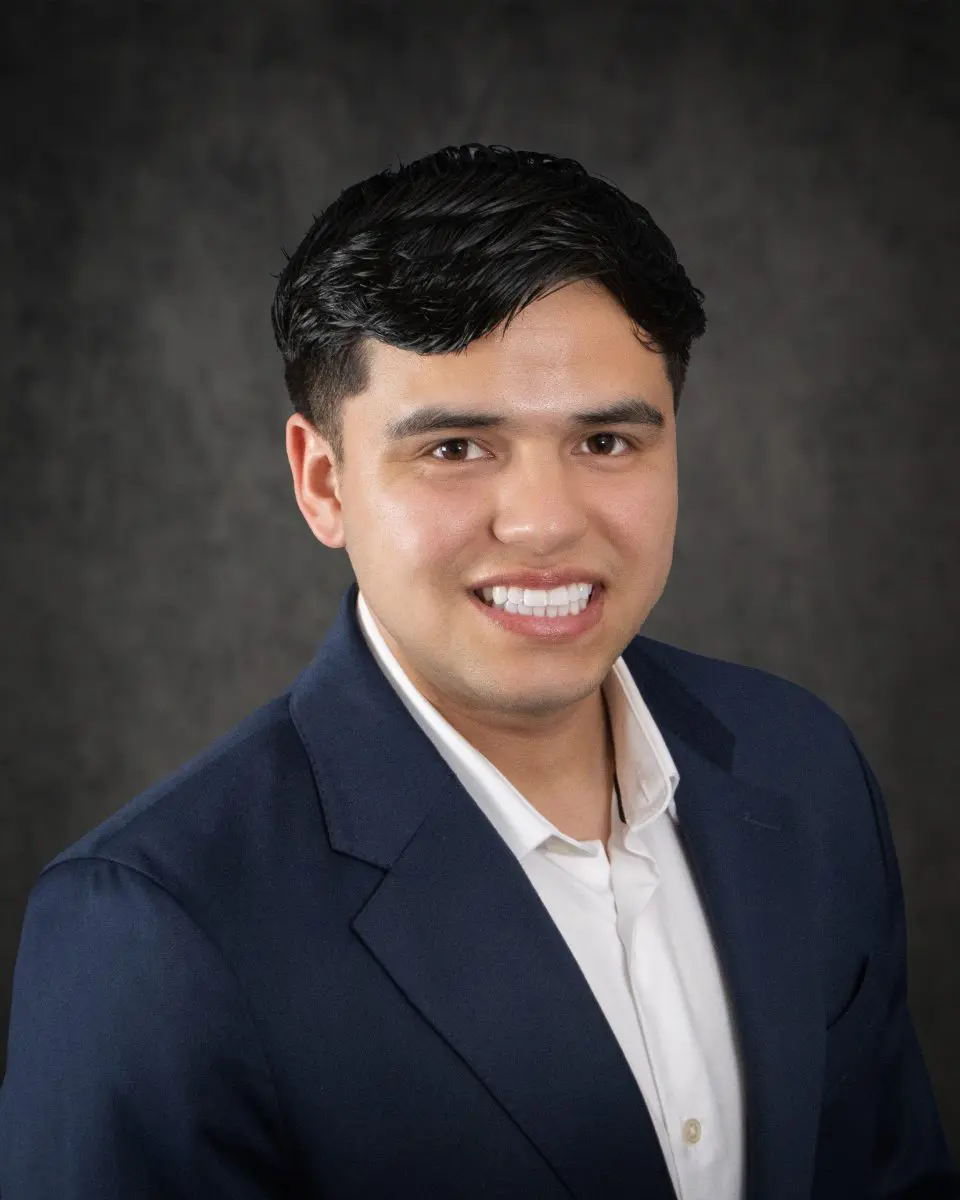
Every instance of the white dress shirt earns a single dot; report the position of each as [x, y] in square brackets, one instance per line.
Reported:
[633, 920]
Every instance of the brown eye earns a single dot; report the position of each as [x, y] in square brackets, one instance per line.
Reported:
[458, 442]
[606, 439]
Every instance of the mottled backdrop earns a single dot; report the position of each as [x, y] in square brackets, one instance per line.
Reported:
[158, 581]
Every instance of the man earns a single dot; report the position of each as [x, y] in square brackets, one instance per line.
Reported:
[500, 899]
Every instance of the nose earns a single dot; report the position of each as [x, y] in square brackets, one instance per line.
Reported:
[539, 506]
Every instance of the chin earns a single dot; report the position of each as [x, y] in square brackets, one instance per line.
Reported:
[527, 696]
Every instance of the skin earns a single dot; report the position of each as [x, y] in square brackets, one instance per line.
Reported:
[426, 518]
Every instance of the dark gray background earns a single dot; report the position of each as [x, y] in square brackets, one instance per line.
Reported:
[159, 581]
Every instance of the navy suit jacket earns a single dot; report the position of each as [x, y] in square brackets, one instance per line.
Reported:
[307, 966]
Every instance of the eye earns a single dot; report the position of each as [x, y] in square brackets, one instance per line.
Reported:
[434, 453]
[594, 437]
[457, 445]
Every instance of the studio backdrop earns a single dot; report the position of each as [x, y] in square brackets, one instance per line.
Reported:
[158, 580]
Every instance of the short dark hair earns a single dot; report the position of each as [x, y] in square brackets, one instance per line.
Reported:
[429, 256]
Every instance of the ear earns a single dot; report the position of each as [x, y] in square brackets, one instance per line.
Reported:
[315, 482]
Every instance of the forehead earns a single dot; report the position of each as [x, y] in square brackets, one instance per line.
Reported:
[575, 345]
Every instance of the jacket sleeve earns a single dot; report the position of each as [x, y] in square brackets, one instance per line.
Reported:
[133, 1067]
[910, 1157]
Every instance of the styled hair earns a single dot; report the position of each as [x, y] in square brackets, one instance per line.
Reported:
[432, 255]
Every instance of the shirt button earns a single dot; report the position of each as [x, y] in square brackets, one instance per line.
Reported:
[692, 1131]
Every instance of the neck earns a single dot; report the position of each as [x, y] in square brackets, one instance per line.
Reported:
[566, 769]
[561, 762]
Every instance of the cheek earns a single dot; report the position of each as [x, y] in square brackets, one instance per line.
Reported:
[646, 519]
[419, 527]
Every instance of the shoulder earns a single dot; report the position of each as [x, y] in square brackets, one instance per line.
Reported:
[217, 820]
[773, 732]
[741, 694]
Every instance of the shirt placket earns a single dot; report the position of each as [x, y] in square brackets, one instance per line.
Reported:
[676, 1062]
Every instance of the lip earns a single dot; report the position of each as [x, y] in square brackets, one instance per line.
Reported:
[550, 629]
[539, 580]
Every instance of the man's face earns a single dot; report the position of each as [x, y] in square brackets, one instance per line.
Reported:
[428, 517]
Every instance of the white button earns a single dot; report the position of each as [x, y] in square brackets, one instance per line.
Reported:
[692, 1131]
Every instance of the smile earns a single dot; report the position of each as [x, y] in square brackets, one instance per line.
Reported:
[552, 623]
[564, 601]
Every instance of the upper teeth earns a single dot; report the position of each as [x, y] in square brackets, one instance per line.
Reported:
[560, 597]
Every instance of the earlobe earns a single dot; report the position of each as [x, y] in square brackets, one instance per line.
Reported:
[315, 482]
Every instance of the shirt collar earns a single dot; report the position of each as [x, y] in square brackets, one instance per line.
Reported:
[646, 771]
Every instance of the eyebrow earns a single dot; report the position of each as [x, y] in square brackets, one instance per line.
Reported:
[632, 411]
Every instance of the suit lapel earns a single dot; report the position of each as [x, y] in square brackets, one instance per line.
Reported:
[755, 867]
[462, 932]
[460, 929]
